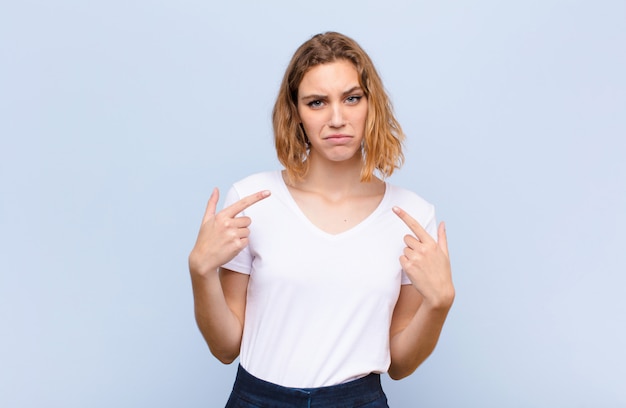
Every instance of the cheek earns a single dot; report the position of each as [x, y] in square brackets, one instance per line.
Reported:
[362, 119]
[310, 123]
[362, 111]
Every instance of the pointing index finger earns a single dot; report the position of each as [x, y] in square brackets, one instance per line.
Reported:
[246, 202]
[412, 223]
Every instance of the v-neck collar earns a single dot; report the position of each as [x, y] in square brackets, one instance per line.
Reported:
[298, 211]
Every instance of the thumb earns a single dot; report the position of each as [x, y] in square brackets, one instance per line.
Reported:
[212, 205]
[442, 239]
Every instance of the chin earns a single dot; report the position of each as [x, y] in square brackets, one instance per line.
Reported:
[340, 158]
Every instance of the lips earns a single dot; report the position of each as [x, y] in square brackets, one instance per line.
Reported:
[338, 140]
[338, 137]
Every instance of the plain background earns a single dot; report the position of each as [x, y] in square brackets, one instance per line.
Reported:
[117, 119]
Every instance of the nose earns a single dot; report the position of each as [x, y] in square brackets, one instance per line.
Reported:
[336, 118]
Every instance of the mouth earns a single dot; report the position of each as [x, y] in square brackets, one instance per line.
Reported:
[338, 137]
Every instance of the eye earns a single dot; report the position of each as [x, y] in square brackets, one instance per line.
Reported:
[353, 99]
[315, 104]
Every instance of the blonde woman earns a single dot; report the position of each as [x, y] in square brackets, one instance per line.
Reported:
[322, 276]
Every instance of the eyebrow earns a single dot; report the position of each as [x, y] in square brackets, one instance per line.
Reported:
[316, 96]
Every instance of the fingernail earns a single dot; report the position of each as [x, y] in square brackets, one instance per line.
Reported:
[266, 193]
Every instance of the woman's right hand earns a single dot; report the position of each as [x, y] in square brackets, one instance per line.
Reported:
[223, 235]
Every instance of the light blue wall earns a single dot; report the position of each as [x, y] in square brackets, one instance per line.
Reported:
[117, 118]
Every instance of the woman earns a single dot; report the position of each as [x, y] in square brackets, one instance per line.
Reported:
[322, 275]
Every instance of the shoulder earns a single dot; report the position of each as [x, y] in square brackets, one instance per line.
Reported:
[409, 200]
[267, 180]
[415, 205]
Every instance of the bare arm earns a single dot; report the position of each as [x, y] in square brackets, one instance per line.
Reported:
[414, 332]
[219, 305]
[220, 298]
[422, 307]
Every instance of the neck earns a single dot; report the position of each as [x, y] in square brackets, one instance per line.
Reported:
[335, 178]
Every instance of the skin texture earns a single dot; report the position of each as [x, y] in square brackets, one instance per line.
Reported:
[332, 109]
[219, 300]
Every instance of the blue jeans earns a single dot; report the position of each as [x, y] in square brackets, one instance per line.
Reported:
[252, 392]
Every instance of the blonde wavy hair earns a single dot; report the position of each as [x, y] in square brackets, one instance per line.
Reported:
[382, 145]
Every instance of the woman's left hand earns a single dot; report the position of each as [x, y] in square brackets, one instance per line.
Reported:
[427, 263]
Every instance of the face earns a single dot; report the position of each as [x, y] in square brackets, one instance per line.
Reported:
[333, 108]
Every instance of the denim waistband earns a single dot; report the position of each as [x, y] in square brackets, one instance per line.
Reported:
[352, 393]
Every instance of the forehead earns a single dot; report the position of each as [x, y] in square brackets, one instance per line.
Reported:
[333, 76]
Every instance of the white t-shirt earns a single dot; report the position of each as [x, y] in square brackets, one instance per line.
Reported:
[319, 305]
